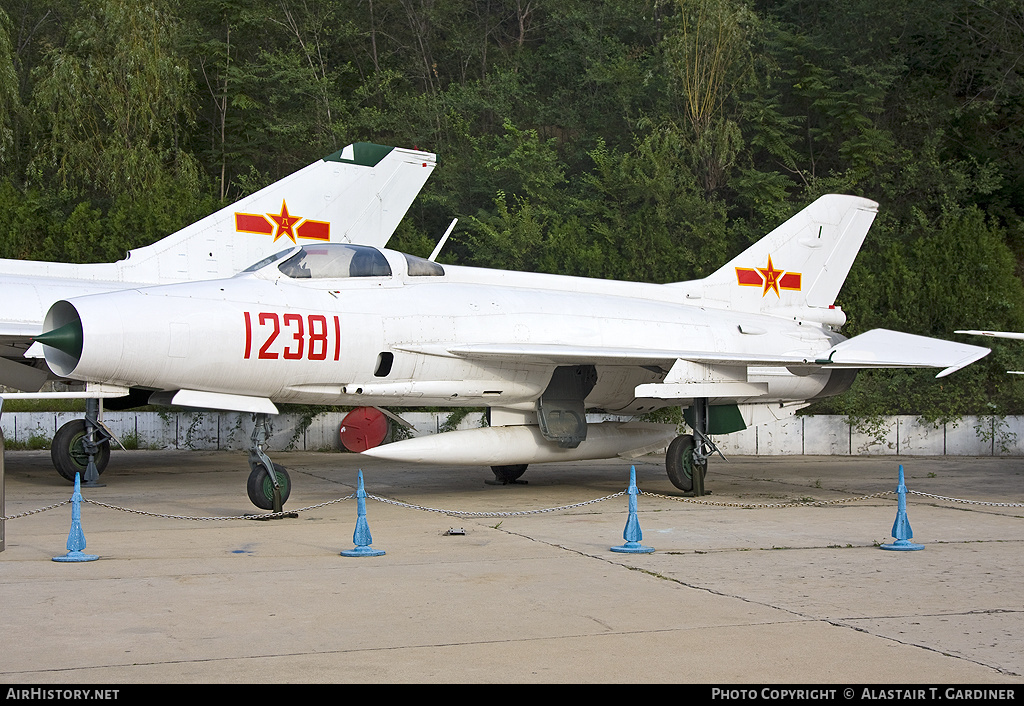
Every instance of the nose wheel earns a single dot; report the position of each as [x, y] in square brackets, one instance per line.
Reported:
[267, 490]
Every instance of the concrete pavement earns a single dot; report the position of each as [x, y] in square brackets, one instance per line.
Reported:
[732, 594]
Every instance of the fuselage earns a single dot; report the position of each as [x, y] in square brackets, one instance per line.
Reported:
[394, 339]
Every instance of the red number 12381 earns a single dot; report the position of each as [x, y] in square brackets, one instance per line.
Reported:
[307, 337]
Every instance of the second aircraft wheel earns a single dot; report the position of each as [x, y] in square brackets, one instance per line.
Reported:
[261, 487]
[680, 465]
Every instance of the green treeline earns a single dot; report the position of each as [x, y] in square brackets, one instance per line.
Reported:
[631, 139]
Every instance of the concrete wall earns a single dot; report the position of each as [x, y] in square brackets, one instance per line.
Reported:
[206, 430]
[818, 435]
[898, 435]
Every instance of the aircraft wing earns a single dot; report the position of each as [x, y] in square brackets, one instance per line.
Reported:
[878, 348]
[15, 371]
[582, 355]
[18, 372]
[19, 331]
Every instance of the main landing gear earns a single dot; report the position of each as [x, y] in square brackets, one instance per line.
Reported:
[686, 461]
[82, 446]
[267, 491]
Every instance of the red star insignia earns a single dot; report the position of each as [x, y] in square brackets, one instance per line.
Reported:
[285, 222]
[771, 277]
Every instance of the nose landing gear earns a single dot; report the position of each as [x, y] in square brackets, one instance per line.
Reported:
[267, 490]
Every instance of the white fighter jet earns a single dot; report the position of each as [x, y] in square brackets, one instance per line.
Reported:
[358, 325]
[356, 195]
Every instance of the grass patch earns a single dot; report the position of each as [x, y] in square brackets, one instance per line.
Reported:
[51, 405]
[36, 442]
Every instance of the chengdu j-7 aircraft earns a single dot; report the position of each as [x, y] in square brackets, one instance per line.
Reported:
[356, 195]
[358, 325]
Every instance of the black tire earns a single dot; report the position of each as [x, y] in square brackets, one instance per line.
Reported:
[68, 453]
[679, 463]
[261, 488]
[509, 474]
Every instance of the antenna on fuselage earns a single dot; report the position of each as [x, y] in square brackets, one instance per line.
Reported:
[443, 240]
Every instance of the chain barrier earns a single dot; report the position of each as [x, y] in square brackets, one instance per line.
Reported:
[793, 503]
[467, 513]
[34, 512]
[519, 513]
[967, 502]
[262, 516]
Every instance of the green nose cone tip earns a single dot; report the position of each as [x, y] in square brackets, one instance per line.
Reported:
[67, 338]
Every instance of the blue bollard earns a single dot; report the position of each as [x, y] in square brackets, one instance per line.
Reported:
[901, 527]
[76, 537]
[632, 533]
[361, 537]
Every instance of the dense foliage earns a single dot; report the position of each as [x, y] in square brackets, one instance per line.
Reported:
[637, 139]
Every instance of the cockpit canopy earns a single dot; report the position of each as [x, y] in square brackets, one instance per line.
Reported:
[341, 260]
[335, 261]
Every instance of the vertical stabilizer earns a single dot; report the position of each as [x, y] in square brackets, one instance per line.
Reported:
[356, 195]
[802, 263]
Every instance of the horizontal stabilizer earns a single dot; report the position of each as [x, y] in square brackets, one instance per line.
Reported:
[881, 348]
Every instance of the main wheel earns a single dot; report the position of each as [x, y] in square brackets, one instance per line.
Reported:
[680, 465]
[68, 451]
[509, 474]
[261, 487]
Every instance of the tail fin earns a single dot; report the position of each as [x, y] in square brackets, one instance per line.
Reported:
[356, 195]
[802, 263]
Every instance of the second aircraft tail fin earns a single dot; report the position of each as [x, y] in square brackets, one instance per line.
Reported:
[356, 195]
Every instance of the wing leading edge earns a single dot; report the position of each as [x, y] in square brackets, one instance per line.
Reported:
[878, 348]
